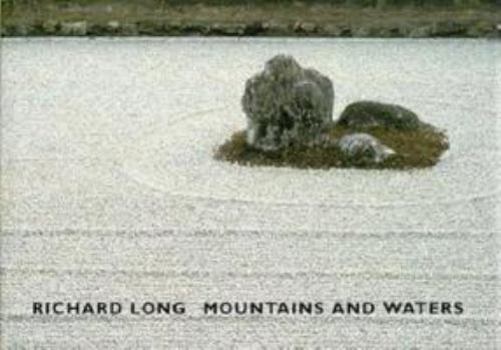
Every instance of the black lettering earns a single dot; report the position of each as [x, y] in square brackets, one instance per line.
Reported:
[240, 308]
[55, 308]
[210, 308]
[353, 308]
[338, 308]
[433, 308]
[101, 308]
[421, 305]
[408, 308]
[179, 308]
[283, 309]
[148, 308]
[392, 307]
[368, 308]
[446, 308]
[225, 308]
[115, 308]
[70, 308]
[87, 309]
[133, 310]
[163, 308]
[271, 305]
[256, 308]
[37, 308]
[319, 308]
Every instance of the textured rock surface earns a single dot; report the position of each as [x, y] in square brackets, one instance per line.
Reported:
[365, 114]
[364, 148]
[286, 104]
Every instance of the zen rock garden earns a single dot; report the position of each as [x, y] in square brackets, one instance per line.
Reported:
[290, 123]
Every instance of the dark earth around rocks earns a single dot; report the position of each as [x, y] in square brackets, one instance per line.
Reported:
[289, 123]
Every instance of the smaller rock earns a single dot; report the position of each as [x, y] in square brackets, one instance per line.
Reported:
[332, 30]
[21, 30]
[234, 29]
[74, 28]
[366, 114]
[362, 32]
[50, 26]
[276, 28]
[309, 27]
[254, 28]
[129, 29]
[448, 28]
[304, 27]
[480, 29]
[361, 148]
[151, 27]
[114, 25]
[214, 29]
[175, 27]
[194, 29]
[421, 32]
[346, 32]
[393, 32]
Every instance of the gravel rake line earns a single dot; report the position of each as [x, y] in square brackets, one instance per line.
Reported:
[175, 232]
[363, 275]
[389, 320]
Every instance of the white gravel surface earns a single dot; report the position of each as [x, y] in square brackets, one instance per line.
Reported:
[110, 193]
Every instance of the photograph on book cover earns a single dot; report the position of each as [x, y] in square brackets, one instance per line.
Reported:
[250, 175]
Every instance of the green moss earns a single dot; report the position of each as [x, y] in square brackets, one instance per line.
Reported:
[414, 149]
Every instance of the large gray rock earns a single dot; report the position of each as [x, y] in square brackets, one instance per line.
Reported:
[286, 104]
[361, 148]
[366, 114]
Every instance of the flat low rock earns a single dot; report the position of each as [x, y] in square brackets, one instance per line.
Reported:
[363, 148]
[286, 104]
[366, 114]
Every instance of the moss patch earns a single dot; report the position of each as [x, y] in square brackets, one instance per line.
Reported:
[414, 149]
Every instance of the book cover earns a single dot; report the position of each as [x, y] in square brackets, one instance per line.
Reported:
[302, 180]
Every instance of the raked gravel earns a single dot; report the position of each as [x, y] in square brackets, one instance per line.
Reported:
[110, 193]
